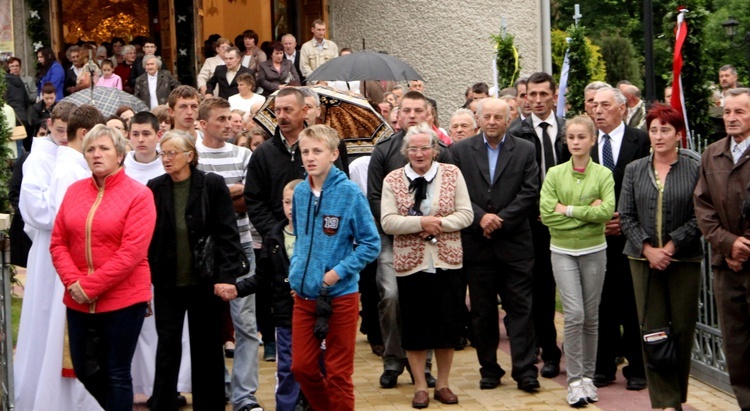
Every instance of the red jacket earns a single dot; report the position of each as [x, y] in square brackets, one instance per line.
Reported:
[101, 238]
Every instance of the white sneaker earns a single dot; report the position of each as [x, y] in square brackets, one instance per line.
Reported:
[589, 389]
[576, 395]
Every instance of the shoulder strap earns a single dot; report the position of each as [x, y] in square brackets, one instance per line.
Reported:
[645, 302]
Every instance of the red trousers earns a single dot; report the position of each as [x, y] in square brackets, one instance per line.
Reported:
[335, 390]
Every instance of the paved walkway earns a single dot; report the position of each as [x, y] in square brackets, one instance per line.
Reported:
[465, 383]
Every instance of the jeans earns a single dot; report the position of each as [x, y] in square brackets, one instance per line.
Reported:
[394, 357]
[245, 369]
[333, 391]
[579, 281]
[104, 366]
[287, 388]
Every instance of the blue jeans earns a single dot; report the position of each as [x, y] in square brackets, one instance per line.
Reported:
[245, 369]
[287, 388]
[102, 347]
[579, 281]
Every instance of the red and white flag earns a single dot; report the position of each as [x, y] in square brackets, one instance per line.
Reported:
[678, 97]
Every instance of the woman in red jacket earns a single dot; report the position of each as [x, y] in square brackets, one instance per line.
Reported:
[99, 247]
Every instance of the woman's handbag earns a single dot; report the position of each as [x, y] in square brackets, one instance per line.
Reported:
[205, 250]
[659, 346]
[204, 253]
[19, 132]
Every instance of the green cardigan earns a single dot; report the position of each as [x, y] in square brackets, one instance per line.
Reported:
[583, 232]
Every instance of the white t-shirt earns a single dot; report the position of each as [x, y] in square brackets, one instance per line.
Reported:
[237, 102]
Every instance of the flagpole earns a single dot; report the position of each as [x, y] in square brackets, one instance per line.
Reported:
[648, 43]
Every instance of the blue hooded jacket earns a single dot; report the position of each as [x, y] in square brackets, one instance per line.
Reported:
[327, 228]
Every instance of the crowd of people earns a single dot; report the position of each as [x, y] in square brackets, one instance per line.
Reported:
[162, 241]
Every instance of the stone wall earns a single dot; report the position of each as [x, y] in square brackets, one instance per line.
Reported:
[447, 42]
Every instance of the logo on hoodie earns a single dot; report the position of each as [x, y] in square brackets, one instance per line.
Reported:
[331, 224]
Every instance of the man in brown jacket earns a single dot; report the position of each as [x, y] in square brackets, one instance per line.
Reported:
[725, 174]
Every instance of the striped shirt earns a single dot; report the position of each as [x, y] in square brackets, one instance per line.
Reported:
[231, 163]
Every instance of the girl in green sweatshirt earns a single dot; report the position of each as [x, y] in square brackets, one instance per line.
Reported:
[577, 198]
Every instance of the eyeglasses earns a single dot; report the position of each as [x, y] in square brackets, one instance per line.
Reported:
[415, 150]
[170, 154]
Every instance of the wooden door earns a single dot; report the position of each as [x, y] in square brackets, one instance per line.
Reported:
[166, 34]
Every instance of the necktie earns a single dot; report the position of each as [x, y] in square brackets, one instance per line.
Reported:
[607, 159]
[549, 154]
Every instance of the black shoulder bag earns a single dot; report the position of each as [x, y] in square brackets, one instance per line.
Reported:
[659, 346]
[204, 251]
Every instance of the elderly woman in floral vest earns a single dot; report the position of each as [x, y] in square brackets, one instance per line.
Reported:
[425, 205]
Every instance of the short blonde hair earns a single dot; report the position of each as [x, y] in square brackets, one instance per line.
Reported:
[100, 130]
[183, 141]
[291, 185]
[322, 133]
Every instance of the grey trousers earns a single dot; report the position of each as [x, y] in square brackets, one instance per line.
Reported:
[681, 281]
[579, 281]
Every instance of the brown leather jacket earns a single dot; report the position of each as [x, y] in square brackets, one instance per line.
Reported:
[719, 196]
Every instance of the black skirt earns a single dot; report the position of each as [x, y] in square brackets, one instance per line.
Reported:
[430, 309]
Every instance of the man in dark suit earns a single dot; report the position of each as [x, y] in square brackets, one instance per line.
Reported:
[76, 66]
[161, 81]
[291, 53]
[226, 76]
[617, 145]
[387, 157]
[502, 176]
[547, 131]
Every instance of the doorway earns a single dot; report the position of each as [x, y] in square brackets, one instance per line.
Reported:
[100, 20]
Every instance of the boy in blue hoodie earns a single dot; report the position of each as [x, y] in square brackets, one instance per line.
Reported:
[329, 215]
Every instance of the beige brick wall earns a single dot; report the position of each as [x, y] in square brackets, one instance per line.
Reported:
[447, 42]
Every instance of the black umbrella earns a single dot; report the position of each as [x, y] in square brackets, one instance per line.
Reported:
[364, 65]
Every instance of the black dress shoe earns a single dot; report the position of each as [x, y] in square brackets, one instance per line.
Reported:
[489, 383]
[528, 384]
[181, 400]
[636, 384]
[551, 369]
[389, 378]
[431, 381]
[601, 380]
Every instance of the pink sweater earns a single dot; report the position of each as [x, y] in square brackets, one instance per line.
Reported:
[113, 81]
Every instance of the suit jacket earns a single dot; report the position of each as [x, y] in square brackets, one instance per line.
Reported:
[296, 66]
[639, 117]
[137, 70]
[525, 129]
[70, 80]
[635, 145]
[220, 78]
[512, 194]
[165, 83]
[270, 79]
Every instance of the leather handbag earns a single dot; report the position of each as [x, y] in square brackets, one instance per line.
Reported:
[19, 132]
[659, 346]
[204, 251]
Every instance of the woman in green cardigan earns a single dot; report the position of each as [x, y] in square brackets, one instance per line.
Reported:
[577, 198]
